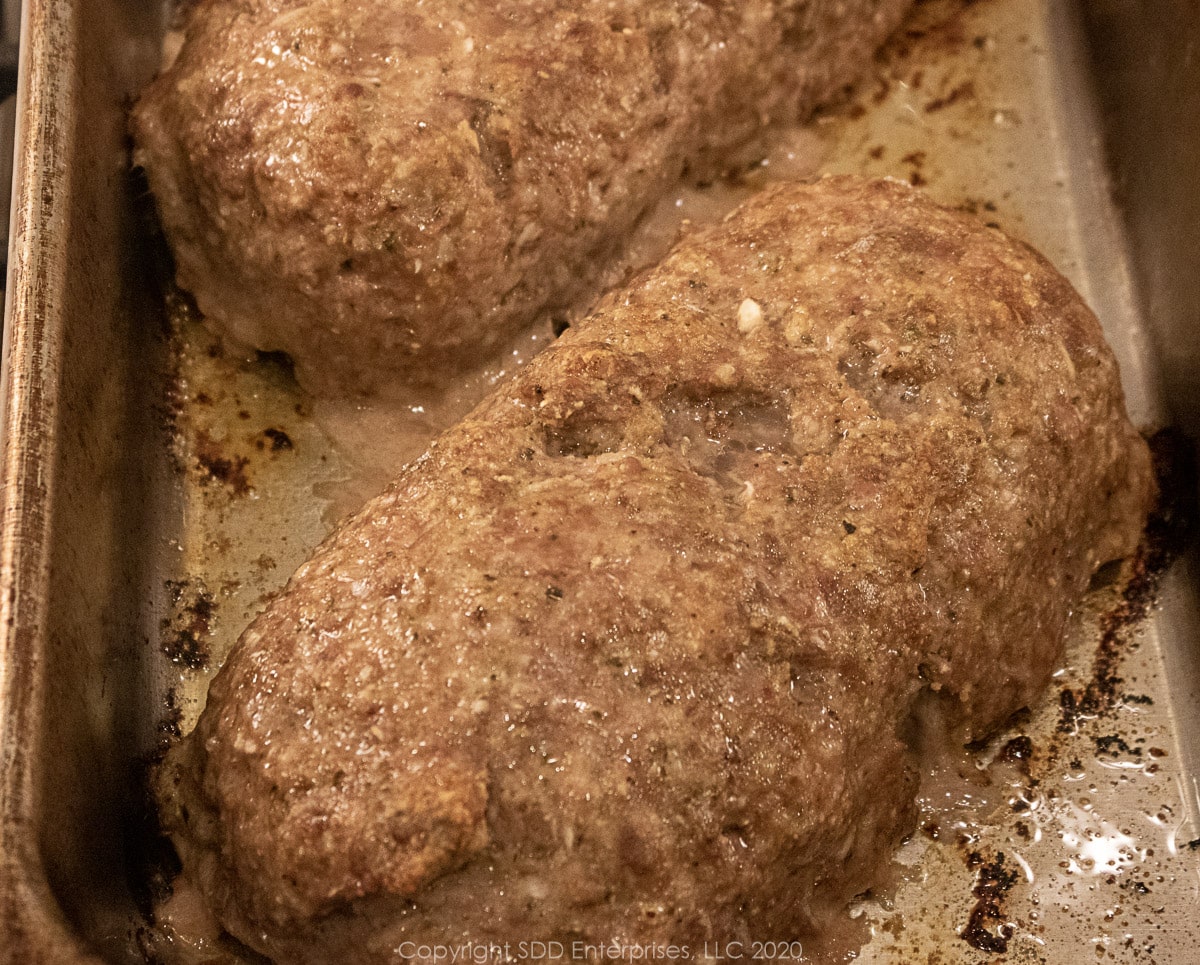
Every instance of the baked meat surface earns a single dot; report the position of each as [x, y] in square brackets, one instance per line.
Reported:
[388, 189]
[636, 652]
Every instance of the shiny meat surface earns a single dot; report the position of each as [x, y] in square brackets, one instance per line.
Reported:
[385, 190]
[639, 651]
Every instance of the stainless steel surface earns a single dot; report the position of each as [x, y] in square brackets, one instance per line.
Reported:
[1147, 74]
[145, 507]
[8, 131]
[80, 483]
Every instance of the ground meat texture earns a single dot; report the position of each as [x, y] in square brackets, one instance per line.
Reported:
[638, 650]
[386, 190]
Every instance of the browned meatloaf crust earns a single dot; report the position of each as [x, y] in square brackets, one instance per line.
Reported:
[383, 189]
[634, 652]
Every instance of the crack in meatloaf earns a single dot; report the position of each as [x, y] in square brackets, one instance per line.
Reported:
[385, 189]
[635, 651]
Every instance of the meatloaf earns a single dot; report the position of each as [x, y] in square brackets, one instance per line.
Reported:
[385, 190]
[641, 649]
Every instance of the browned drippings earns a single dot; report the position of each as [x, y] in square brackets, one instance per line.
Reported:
[219, 466]
[1169, 532]
[184, 634]
[988, 928]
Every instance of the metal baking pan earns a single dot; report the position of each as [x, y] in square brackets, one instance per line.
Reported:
[147, 478]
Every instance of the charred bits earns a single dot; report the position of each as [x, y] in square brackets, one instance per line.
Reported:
[962, 92]
[217, 466]
[1169, 531]
[1018, 752]
[276, 440]
[185, 632]
[988, 927]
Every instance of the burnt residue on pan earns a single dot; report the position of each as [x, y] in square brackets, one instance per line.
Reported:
[962, 92]
[150, 859]
[276, 440]
[988, 927]
[152, 862]
[1062, 825]
[206, 446]
[1169, 531]
[1033, 774]
[935, 29]
[218, 465]
[185, 632]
